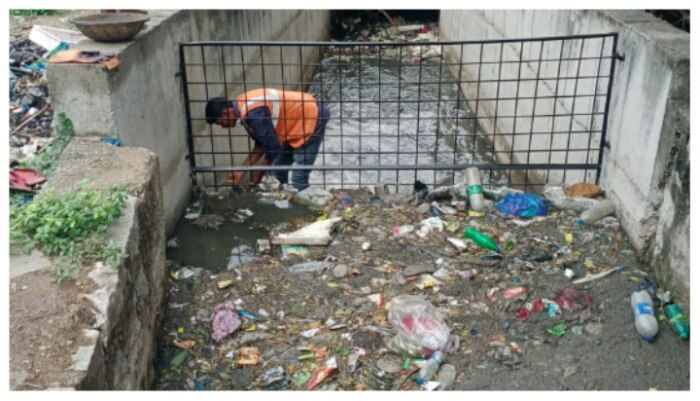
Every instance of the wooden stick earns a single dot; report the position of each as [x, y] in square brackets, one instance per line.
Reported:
[25, 122]
[388, 17]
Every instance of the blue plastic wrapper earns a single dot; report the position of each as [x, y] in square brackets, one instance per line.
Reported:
[522, 205]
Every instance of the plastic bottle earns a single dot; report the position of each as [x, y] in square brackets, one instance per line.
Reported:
[474, 190]
[430, 368]
[678, 321]
[481, 239]
[598, 211]
[644, 320]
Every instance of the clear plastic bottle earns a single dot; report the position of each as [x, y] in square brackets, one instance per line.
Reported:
[430, 368]
[598, 211]
[474, 189]
[644, 320]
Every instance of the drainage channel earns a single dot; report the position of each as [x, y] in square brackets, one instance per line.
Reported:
[297, 327]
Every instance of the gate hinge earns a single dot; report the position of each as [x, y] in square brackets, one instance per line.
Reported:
[620, 57]
[606, 145]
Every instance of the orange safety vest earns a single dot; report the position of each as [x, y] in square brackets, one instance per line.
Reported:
[294, 114]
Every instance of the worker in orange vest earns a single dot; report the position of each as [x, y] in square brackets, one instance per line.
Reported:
[286, 126]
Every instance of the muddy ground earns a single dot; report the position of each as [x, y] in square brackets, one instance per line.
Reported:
[600, 349]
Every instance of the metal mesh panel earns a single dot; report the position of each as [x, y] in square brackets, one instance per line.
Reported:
[524, 111]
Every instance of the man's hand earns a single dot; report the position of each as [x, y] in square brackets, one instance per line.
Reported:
[235, 178]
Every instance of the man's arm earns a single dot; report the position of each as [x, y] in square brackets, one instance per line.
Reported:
[263, 133]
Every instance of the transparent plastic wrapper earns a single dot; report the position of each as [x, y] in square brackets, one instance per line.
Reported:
[419, 325]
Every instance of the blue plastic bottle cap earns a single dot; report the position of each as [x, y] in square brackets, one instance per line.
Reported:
[580, 222]
[420, 381]
[649, 338]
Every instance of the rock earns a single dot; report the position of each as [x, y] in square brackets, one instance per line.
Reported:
[594, 328]
[366, 246]
[570, 371]
[390, 364]
[413, 270]
[340, 271]
[446, 376]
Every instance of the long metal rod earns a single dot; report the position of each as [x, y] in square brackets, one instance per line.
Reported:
[370, 44]
[365, 167]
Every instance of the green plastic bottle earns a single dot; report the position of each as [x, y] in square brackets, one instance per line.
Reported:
[481, 239]
[678, 321]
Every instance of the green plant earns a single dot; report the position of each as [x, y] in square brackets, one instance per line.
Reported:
[45, 162]
[34, 13]
[71, 227]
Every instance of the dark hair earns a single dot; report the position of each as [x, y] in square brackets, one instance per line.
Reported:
[215, 108]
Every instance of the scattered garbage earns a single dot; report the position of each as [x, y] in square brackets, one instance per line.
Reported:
[298, 250]
[558, 198]
[598, 211]
[321, 374]
[418, 322]
[584, 189]
[314, 196]
[446, 377]
[522, 205]
[481, 239]
[474, 190]
[310, 267]
[678, 320]
[430, 368]
[300, 306]
[224, 321]
[593, 277]
[317, 233]
[644, 319]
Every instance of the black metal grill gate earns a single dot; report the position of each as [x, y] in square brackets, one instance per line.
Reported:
[524, 111]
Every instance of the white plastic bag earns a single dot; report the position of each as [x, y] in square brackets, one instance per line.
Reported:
[419, 323]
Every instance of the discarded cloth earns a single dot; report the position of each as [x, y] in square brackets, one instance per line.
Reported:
[24, 179]
[110, 61]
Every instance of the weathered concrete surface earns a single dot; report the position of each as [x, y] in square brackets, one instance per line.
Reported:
[142, 103]
[646, 168]
[124, 303]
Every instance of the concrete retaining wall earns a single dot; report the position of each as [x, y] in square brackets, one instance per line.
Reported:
[646, 169]
[118, 308]
[142, 102]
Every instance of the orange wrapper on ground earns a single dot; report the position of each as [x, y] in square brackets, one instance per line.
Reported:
[583, 189]
[320, 374]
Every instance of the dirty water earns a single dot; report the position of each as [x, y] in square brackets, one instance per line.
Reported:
[390, 110]
[292, 324]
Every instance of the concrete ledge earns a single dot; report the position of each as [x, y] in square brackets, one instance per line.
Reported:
[110, 313]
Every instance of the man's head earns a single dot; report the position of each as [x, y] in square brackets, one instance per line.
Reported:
[220, 111]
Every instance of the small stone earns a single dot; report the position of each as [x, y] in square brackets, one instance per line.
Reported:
[340, 271]
[414, 270]
[390, 364]
[569, 371]
[594, 328]
[366, 246]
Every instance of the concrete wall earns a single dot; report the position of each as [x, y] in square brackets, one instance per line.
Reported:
[142, 102]
[646, 169]
[117, 342]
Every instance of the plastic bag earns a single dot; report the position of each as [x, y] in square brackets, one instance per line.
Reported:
[522, 205]
[418, 323]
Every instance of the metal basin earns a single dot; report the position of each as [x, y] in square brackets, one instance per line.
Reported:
[111, 27]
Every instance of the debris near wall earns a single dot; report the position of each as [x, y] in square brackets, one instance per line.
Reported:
[338, 316]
